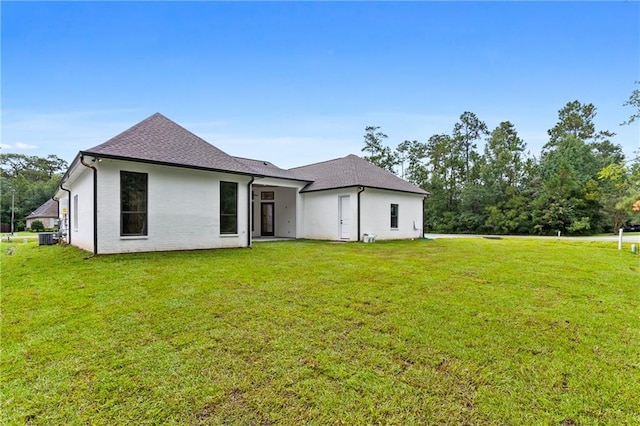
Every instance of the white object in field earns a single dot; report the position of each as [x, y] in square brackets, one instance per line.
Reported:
[620, 239]
[369, 238]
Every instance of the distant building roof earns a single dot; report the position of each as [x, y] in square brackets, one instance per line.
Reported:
[160, 140]
[353, 171]
[48, 209]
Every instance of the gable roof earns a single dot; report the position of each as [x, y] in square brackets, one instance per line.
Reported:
[161, 141]
[353, 171]
[267, 169]
[48, 209]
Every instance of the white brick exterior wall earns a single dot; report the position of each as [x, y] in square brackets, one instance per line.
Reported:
[81, 232]
[184, 210]
[322, 217]
[375, 214]
[321, 214]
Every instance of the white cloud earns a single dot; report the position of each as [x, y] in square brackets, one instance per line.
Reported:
[18, 146]
[25, 146]
[63, 133]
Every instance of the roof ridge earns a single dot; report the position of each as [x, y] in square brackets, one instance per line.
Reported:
[320, 162]
[255, 159]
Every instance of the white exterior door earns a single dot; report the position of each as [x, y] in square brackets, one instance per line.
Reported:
[345, 217]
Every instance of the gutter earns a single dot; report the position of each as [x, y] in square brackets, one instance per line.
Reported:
[424, 194]
[251, 172]
[95, 203]
[249, 210]
[360, 191]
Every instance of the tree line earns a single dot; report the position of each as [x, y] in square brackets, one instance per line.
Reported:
[30, 181]
[581, 183]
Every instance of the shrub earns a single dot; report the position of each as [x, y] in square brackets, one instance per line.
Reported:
[37, 226]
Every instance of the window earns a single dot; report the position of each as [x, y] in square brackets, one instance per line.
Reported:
[75, 212]
[394, 216]
[133, 203]
[228, 208]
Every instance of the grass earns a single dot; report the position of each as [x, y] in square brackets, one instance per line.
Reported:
[510, 331]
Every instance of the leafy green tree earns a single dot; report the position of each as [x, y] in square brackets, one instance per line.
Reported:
[506, 174]
[12, 164]
[576, 119]
[412, 157]
[446, 171]
[29, 180]
[634, 191]
[572, 197]
[504, 158]
[617, 194]
[633, 102]
[568, 201]
[626, 181]
[379, 154]
[467, 132]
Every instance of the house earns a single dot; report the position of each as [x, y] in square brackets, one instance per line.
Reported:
[46, 213]
[157, 186]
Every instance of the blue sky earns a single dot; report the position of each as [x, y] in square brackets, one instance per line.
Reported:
[297, 82]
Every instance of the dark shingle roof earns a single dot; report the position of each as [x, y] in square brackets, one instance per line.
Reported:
[159, 140]
[48, 209]
[352, 171]
[265, 168]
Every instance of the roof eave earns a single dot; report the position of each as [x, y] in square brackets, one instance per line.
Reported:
[423, 194]
[164, 163]
[265, 176]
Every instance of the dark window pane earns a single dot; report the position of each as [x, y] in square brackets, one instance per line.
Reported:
[228, 197]
[228, 208]
[228, 225]
[133, 203]
[394, 215]
[134, 224]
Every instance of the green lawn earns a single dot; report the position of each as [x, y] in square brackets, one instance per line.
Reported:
[473, 331]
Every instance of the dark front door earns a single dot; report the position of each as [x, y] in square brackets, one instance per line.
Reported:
[266, 220]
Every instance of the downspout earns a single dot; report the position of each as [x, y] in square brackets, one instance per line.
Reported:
[249, 210]
[95, 204]
[360, 191]
[69, 212]
[424, 199]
